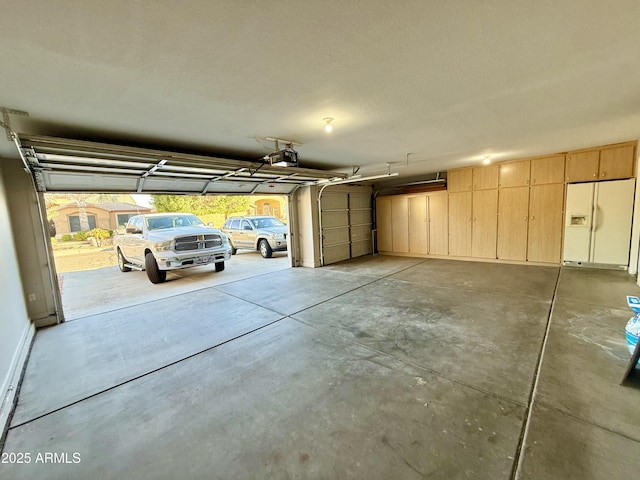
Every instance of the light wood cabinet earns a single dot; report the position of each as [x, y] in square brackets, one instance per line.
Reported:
[513, 222]
[400, 223]
[514, 174]
[383, 224]
[545, 223]
[484, 226]
[582, 166]
[608, 163]
[418, 225]
[547, 170]
[459, 180]
[438, 206]
[616, 162]
[485, 177]
[460, 224]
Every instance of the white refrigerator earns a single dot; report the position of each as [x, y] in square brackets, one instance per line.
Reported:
[597, 229]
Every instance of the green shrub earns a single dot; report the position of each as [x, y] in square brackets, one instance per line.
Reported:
[80, 236]
[99, 233]
[66, 237]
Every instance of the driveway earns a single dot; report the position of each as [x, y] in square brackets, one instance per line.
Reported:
[90, 292]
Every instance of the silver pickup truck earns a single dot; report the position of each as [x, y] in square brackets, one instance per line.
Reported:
[158, 242]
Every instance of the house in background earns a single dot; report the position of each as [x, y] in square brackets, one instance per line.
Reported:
[272, 205]
[104, 215]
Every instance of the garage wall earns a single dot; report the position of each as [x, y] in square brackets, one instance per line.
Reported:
[32, 248]
[16, 331]
[307, 226]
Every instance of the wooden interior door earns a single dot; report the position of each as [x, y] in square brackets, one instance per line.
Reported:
[484, 224]
[545, 223]
[513, 221]
[418, 226]
[460, 224]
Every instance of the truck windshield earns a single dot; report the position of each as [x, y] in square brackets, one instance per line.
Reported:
[172, 221]
[266, 222]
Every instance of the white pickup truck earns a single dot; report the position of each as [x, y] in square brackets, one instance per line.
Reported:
[158, 242]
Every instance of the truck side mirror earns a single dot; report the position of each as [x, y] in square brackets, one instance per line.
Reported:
[133, 230]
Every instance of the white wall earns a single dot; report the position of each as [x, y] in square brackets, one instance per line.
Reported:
[307, 226]
[16, 330]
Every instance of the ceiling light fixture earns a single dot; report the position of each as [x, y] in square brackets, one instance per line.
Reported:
[487, 160]
[327, 124]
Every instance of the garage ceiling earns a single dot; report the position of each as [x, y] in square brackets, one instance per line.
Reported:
[413, 86]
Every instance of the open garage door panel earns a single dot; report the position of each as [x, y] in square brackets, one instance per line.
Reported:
[66, 165]
[346, 227]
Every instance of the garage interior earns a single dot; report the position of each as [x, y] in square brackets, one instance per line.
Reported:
[416, 330]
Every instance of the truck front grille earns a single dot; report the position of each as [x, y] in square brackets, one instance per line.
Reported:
[197, 242]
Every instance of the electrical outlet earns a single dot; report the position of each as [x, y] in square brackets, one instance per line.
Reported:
[32, 297]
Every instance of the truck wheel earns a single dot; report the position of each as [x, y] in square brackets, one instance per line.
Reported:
[265, 248]
[122, 262]
[234, 250]
[154, 274]
[219, 266]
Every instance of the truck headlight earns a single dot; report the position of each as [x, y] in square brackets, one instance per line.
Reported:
[163, 246]
[278, 236]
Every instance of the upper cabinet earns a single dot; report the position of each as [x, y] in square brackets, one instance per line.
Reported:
[514, 174]
[459, 180]
[547, 170]
[616, 162]
[485, 178]
[582, 166]
[608, 163]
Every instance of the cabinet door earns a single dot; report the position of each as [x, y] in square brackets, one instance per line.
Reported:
[513, 219]
[383, 224]
[438, 224]
[583, 166]
[484, 224]
[460, 224]
[400, 223]
[547, 170]
[418, 226]
[514, 174]
[616, 162]
[545, 223]
[485, 177]
[459, 180]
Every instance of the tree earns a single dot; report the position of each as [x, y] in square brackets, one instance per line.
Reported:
[202, 205]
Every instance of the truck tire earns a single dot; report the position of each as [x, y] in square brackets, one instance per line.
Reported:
[122, 262]
[234, 250]
[265, 248]
[154, 274]
[219, 266]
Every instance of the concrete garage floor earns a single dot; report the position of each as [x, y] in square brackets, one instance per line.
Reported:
[377, 368]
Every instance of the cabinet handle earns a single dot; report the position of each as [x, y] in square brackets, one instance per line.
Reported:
[533, 181]
[604, 174]
[595, 174]
[533, 218]
[525, 219]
